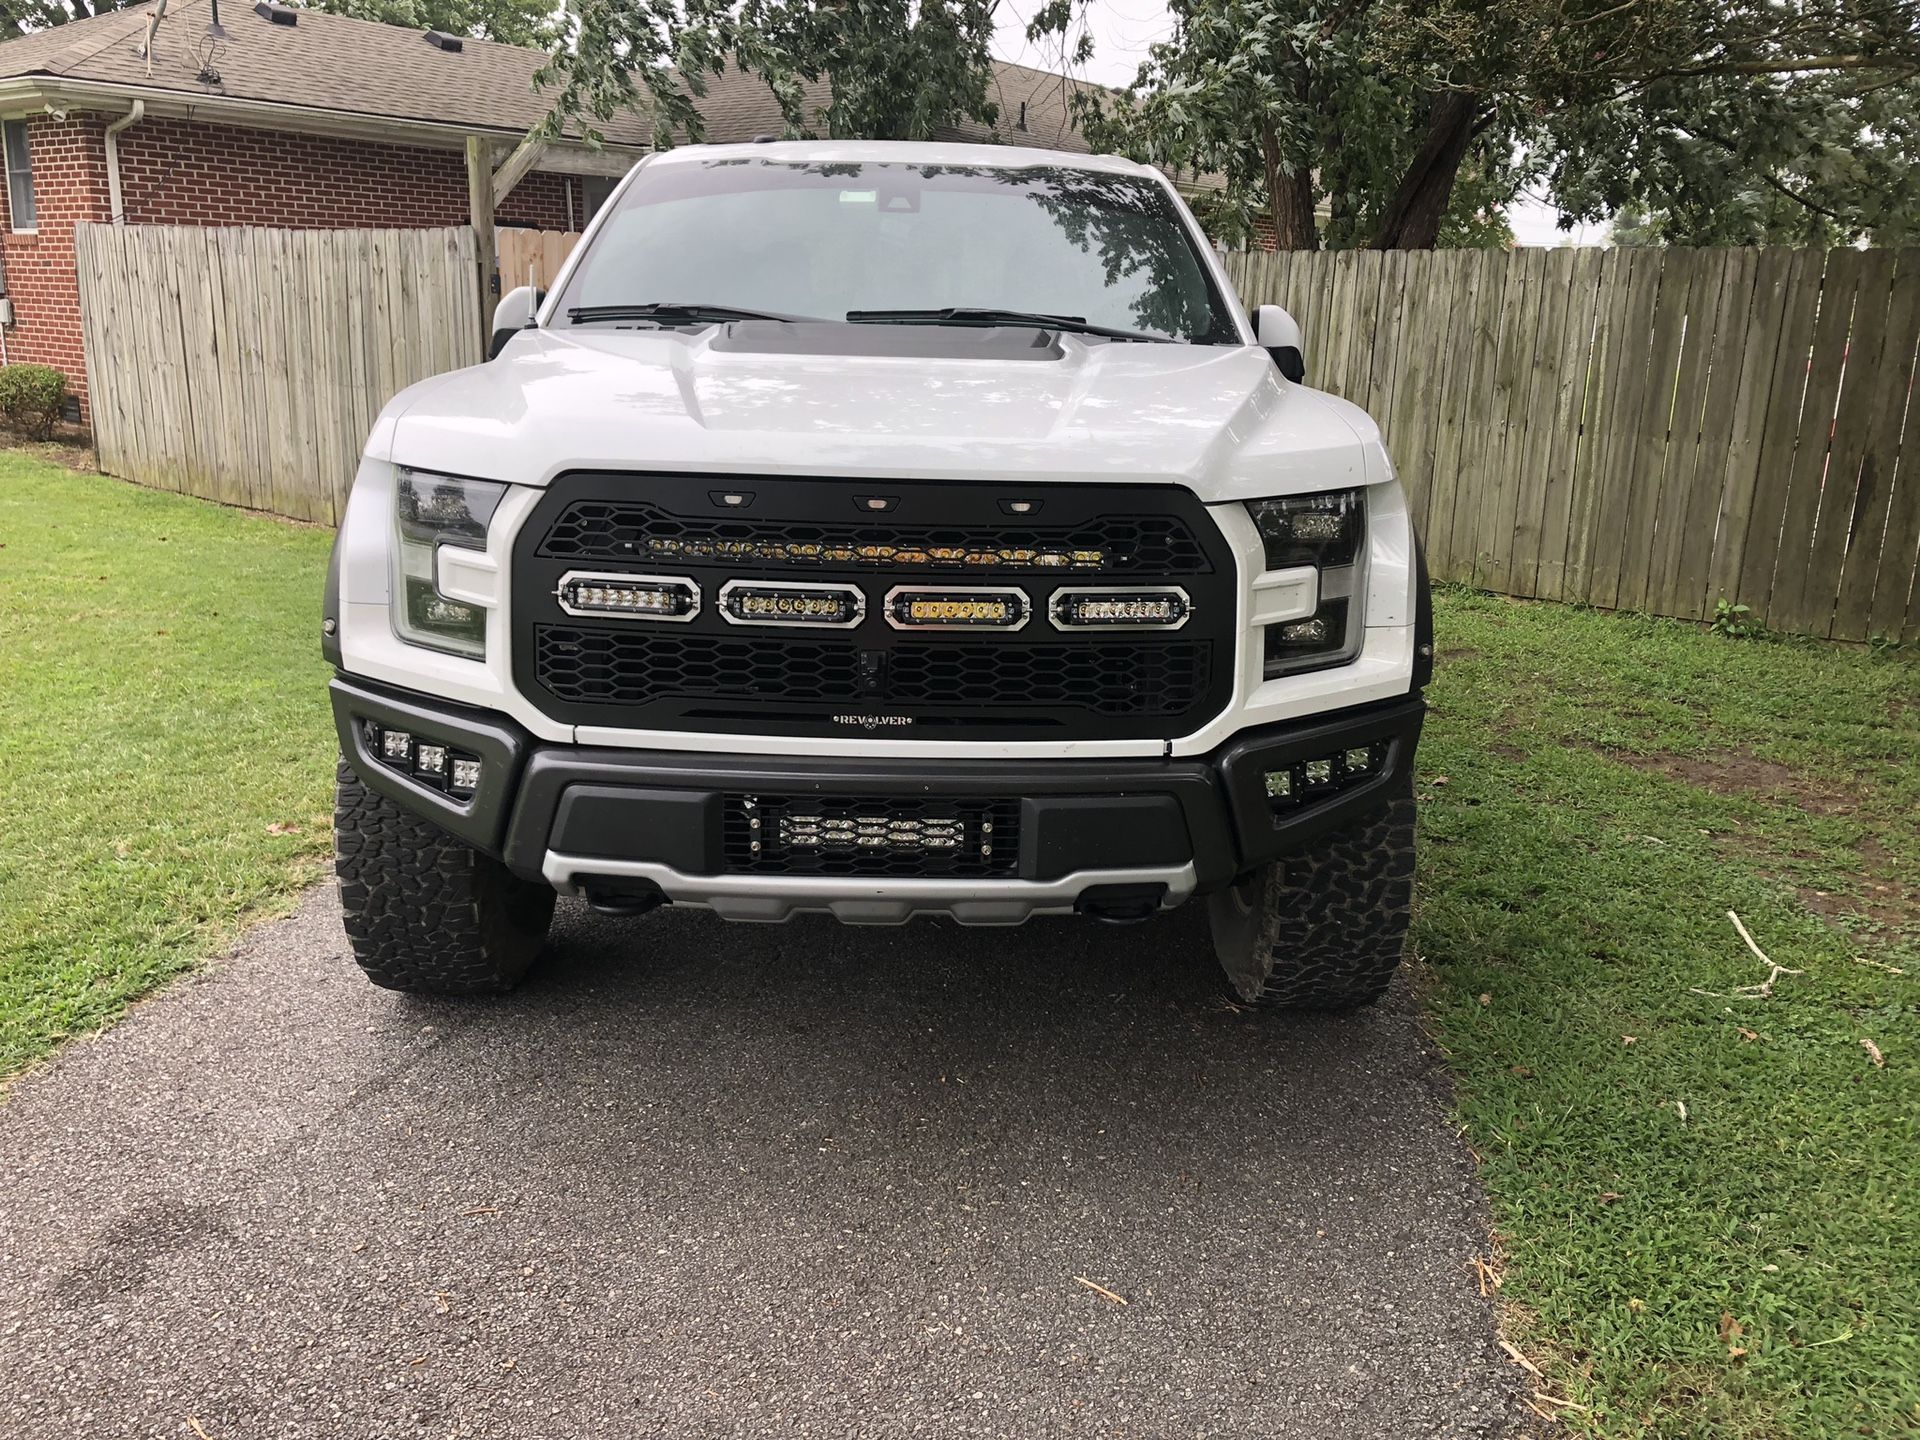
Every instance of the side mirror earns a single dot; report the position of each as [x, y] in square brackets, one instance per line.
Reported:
[1279, 335]
[512, 315]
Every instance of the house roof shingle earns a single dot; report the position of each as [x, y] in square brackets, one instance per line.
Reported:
[339, 65]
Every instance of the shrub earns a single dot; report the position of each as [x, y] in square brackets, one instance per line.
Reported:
[30, 397]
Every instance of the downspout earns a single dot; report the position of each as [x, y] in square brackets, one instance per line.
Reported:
[116, 212]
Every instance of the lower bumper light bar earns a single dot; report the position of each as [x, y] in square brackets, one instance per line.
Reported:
[1305, 781]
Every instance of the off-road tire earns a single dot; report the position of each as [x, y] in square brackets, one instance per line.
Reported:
[424, 912]
[1323, 930]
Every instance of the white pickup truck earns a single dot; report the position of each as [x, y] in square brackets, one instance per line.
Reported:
[883, 530]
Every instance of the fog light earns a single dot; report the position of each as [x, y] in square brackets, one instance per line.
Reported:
[396, 745]
[431, 760]
[1310, 782]
[914, 607]
[744, 602]
[1121, 609]
[641, 597]
[466, 775]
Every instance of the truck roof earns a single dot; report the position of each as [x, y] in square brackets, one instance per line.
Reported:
[901, 152]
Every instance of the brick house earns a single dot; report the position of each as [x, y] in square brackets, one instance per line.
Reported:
[302, 119]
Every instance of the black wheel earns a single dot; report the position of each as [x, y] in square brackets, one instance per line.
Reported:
[1323, 930]
[424, 912]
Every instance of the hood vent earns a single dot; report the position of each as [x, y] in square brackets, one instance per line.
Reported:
[276, 14]
[899, 342]
[440, 40]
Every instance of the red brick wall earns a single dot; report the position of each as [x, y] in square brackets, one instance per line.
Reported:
[69, 185]
[178, 172]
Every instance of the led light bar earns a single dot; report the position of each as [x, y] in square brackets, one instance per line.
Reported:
[631, 597]
[928, 607]
[1106, 608]
[772, 602]
[847, 551]
[837, 832]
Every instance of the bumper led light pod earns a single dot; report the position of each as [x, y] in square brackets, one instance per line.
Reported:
[396, 745]
[767, 602]
[431, 760]
[466, 775]
[1156, 608]
[634, 597]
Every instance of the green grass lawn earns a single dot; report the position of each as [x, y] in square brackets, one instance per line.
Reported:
[1705, 1198]
[1748, 1265]
[165, 748]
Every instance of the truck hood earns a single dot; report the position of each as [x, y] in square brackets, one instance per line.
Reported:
[1219, 419]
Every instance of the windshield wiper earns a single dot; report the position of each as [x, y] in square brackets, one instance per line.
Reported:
[676, 312]
[959, 315]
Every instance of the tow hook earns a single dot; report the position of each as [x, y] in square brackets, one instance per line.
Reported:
[1121, 904]
[613, 895]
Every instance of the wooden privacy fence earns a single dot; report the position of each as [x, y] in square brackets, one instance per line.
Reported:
[533, 257]
[1639, 428]
[247, 365]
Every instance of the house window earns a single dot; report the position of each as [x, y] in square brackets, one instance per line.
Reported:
[594, 190]
[19, 177]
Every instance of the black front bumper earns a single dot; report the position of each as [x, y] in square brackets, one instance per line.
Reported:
[668, 808]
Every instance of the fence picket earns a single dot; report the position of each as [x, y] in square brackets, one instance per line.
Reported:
[1863, 474]
[1561, 449]
[1739, 469]
[1794, 602]
[1899, 576]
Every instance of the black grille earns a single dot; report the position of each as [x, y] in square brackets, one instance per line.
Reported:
[637, 667]
[708, 675]
[970, 839]
[641, 534]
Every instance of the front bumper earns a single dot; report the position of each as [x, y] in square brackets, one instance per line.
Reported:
[1112, 837]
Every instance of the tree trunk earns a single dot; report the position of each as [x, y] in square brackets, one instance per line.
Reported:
[1413, 217]
[1289, 197]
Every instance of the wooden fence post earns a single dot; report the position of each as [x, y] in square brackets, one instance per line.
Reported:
[480, 216]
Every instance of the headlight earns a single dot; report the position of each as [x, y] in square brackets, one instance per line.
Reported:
[1323, 530]
[1328, 532]
[430, 511]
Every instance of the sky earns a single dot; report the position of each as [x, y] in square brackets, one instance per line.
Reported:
[1122, 31]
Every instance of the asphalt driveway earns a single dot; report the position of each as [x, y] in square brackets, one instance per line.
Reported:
[700, 1179]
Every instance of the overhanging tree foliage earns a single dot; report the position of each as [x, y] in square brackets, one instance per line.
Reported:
[22, 17]
[1404, 117]
[890, 69]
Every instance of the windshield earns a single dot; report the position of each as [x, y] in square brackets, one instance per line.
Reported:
[820, 240]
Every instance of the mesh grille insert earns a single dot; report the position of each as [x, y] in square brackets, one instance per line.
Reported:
[912, 838]
[578, 663]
